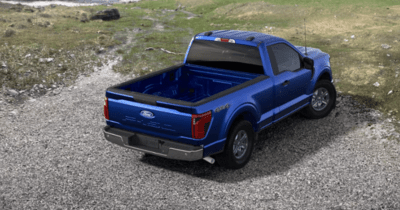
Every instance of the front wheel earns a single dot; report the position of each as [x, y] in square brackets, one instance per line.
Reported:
[239, 146]
[322, 102]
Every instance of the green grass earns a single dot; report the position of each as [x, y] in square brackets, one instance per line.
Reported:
[356, 62]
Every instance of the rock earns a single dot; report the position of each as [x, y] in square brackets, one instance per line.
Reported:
[386, 46]
[60, 65]
[11, 25]
[9, 33]
[390, 92]
[376, 84]
[346, 40]
[27, 9]
[12, 92]
[41, 86]
[28, 55]
[388, 55]
[72, 56]
[149, 48]
[27, 73]
[352, 36]
[57, 91]
[3, 65]
[108, 14]
[101, 50]
[42, 24]
[15, 112]
[145, 68]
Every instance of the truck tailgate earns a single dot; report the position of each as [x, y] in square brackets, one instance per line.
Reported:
[148, 119]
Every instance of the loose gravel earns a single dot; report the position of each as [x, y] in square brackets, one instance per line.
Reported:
[53, 155]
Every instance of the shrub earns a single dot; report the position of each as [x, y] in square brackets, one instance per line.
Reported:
[9, 32]
[45, 15]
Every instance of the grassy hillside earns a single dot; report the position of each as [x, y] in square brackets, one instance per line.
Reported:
[357, 62]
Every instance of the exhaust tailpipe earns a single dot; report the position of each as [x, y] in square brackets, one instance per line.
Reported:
[209, 159]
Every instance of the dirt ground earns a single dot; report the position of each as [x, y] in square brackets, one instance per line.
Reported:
[53, 153]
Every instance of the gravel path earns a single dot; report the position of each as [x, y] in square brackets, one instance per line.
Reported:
[53, 156]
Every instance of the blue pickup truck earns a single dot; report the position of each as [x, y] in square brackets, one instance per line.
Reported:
[231, 85]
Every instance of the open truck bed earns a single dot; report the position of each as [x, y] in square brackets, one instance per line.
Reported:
[189, 83]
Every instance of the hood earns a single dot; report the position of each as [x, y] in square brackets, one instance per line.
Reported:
[312, 53]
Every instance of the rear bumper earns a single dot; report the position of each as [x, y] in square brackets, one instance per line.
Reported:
[153, 145]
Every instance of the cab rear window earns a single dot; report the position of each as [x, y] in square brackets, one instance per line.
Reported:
[225, 55]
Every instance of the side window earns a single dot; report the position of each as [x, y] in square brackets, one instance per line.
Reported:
[283, 58]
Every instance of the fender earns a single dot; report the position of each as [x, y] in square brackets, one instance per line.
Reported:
[246, 107]
[317, 77]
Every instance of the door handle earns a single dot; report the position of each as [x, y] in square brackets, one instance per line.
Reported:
[286, 82]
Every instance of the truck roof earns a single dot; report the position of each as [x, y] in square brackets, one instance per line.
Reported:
[242, 35]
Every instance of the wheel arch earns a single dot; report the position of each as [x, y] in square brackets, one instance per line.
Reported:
[325, 76]
[247, 112]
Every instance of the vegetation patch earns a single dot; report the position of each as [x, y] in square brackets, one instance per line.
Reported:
[362, 38]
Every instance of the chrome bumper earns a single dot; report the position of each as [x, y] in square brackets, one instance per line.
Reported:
[153, 145]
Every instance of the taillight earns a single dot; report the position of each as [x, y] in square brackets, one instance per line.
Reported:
[200, 124]
[106, 108]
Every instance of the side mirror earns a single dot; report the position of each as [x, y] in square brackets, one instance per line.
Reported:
[308, 63]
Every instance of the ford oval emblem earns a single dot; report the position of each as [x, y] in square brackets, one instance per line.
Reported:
[147, 114]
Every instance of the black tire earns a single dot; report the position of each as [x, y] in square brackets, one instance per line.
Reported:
[228, 159]
[311, 112]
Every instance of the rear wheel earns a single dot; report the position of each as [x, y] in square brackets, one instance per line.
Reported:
[239, 146]
[323, 100]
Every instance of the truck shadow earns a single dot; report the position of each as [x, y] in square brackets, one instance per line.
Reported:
[280, 146]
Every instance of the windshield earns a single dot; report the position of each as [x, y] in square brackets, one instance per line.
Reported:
[225, 55]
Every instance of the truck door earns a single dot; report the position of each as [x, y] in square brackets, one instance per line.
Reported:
[291, 79]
